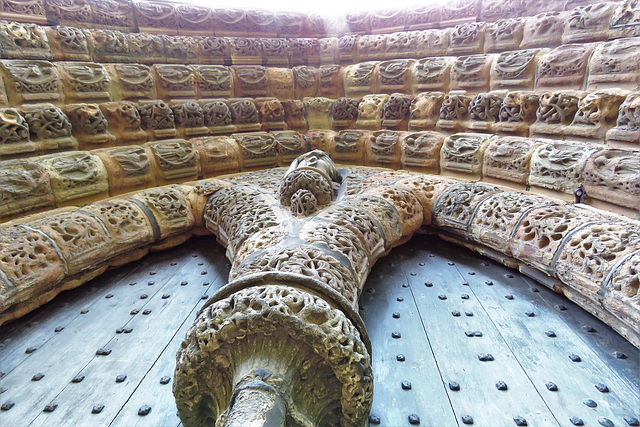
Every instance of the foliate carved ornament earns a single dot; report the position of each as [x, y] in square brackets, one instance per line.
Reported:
[627, 129]
[454, 110]
[155, 17]
[588, 23]
[615, 64]
[421, 150]
[344, 113]
[348, 146]
[330, 81]
[464, 153]
[304, 51]
[194, 20]
[258, 149]
[174, 160]
[384, 212]
[370, 111]
[124, 122]
[370, 47]
[395, 76]
[18, 40]
[472, 72]
[543, 30]
[499, 10]
[306, 81]
[425, 110]
[49, 126]
[181, 49]
[189, 119]
[76, 13]
[244, 113]
[517, 112]
[503, 35]
[217, 116]
[129, 168]
[23, 10]
[555, 111]
[515, 70]
[484, 110]
[228, 22]
[405, 203]
[275, 51]
[360, 79]
[509, 158]
[320, 139]
[69, 43]
[250, 80]
[175, 81]
[271, 114]
[14, 134]
[89, 125]
[396, 111]
[113, 14]
[24, 186]
[76, 176]
[30, 82]
[157, 119]
[597, 113]
[261, 22]
[147, 48]
[614, 176]
[294, 114]
[245, 50]
[134, 82]
[329, 53]
[318, 112]
[109, 46]
[423, 17]
[427, 188]
[456, 206]
[431, 74]
[215, 50]
[281, 83]
[218, 154]
[467, 38]
[563, 67]
[401, 44]
[625, 21]
[290, 144]
[84, 81]
[168, 211]
[459, 11]
[384, 21]
[432, 43]
[384, 149]
[622, 292]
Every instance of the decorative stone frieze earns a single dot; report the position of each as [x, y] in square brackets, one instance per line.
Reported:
[281, 83]
[360, 79]
[588, 23]
[371, 47]
[89, 125]
[275, 52]
[615, 64]
[555, 111]
[464, 153]
[517, 113]
[69, 43]
[455, 207]
[330, 81]
[113, 14]
[344, 113]
[597, 113]
[189, 119]
[245, 51]
[431, 74]
[24, 187]
[348, 146]
[401, 44]
[124, 122]
[503, 35]
[509, 158]
[258, 149]
[217, 117]
[294, 114]
[484, 111]
[217, 154]
[432, 43]
[174, 160]
[84, 82]
[425, 110]
[625, 21]
[180, 49]
[318, 112]
[347, 49]
[306, 81]
[458, 12]
[543, 30]
[614, 176]
[23, 10]
[157, 120]
[133, 82]
[194, 20]
[23, 41]
[421, 151]
[175, 81]
[370, 111]
[564, 67]
[395, 76]
[515, 70]
[213, 81]
[454, 110]
[627, 129]
[271, 114]
[290, 145]
[156, 17]
[148, 48]
[31, 82]
[214, 50]
[109, 46]
[129, 168]
[396, 111]
[495, 10]
[14, 134]
[471, 73]
[72, 13]
[321, 139]
[244, 114]
[49, 126]
[468, 38]
[329, 53]
[250, 81]
[423, 17]
[384, 149]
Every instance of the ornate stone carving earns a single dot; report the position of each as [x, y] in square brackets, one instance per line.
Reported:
[306, 81]
[84, 81]
[348, 146]
[245, 50]
[464, 153]
[294, 114]
[588, 23]
[395, 76]
[427, 188]
[129, 168]
[454, 110]
[555, 111]
[74, 13]
[31, 82]
[559, 166]
[68, 43]
[280, 83]
[360, 79]
[405, 203]
[23, 41]
[423, 17]
[250, 80]
[174, 160]
[503, 35]
[157, 120]
[180, 49]
[494, 10]
[459, 11]
[401, 44]
[194, 20]
[23, 10]
[289, 24]
[330, 81]
[370, 111]
[395, 114]
[258, 149]
[49, 127]
[261, 22]
[304, 51]
[189, 119]
[218, 154]
[113, 14]
[147, 48]
[432, 43]
[509, 158]
[321, 139]
[228, 22]
[614, 176]
[76, 177]
[124, 122]
[271, 114]
[217, 116]
[597, 113]
[625, 21]
[290, 144]
[467, 38]
[275, 51]
[421, 150]
[425, 110]
[431, 74]
[543, 30]
[213, 81]
[564, 66]
[156, 17]
[89, 125]
[515, 70]
[344, 113]
[615, 64]
[370, 47]
[109, 46]
[347, 49]
[517, 112]
[175, 81]
[471, 72]
[244, 114]
[329, 53]
[134, 82]
[622, 286]
[627, 129]
[14, 134]
[306, 189]
[215, 50]
[318, 112]
[484, 110]
[24, 186]
[383, 149]
[455, 207]
[170, 211]
[384, 212]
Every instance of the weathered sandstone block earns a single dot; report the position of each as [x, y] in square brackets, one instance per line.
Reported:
[189, 119]
[157, 120]
[89, 126]
[472, 73]
[213, 81]
[258, 149]
[627, 129]
[597, 113]
[31, 82]
[174, 160]
[503, 35]
[24, 186]
[509, 158]
[421, 151]
[431, 75]
[555, 111]
[218, 155]
[614, 176]
[564, 67]
[318, 112]
[396, 111]
[425, 110]
[244, 114]
[615, 65]
[360, 79]
[370, 111]
[49, 126]
[464, 153]
[175, 82]
[515, 70]
[128, 168]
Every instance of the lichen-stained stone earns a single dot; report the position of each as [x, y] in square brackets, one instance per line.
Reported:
[69, 43]
[517, 112]
[23, 41]
[503, 35]
[281, 83]
[395, 76]
[564, 67]
[495, 10]
[347, 49]
[627, 129]
[146, 48]
[290, 144]
[615, 64]
[24, 187]
[31, 82]
[370, 47]
[306, 81]
[464, 153]
[218, 155]
[555, 111]
[467, 38]
[588, 23]
[75, 13]
[49, 126]
[157, 120]
[622, 297]
[330, 81]
[76, 177]
[155, 17]
[459, 12]
[89, 126]
[349, 146]
[597, 113]
[320, 139]
[543, 30]
[14, 134]
[515, 70]
[455, 207]
[132, 82]
[259, 149]
[401, 44]
[109, 46]
[124, 122]
[425, 110]
[454, 110]
[484, 110]
[35, 282]
[113, 14]
[244, 114]
[271, 114]
[193, 20]
[614, 176]
[175, 81]
[245, 51]
[168, 211]
[560, 165]
[294, 115]
[214, 50]
[370, 111]
[405, 203]
[431, 75]
[509, 158]
[625, 21]
[227, 22]
[423, 17]
[128, 168]
[384, 149]
[471, 73]
[328, 50]
[213, 81]
[421, 151]
[84, 82]
[23, 10]
[189, 119]
[275, 52]
[250, 80]
[385, 213]
[432, 43]
[174, 160]
[360, 79]
[180, 49]
[318, 111]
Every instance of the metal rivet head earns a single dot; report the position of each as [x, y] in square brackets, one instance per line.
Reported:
[144, 410]
[590, 403]
[37, 377]
[574, 358]
[396, 334]
[165, 296]
[151, 283]
[6, 406]
[50, 408]
[468, 313]
[470, 333]
[3, 389]
[467, 419]
[108, 296]
[201, 263]
[400, 358]
[205, 283]
[77, 379]
[428, 284]
[121, 378]
[396, 315]
[431, 255]
[589, 329]
[477, 334]
[103, 352]
[413, 274]
[464, 296]
[133, 283]
[400, 299]
[119, 330]
[205, 296]
[620, 355]
[471, 273]
[406, 385]
[194, 256]
[30, 350]
[451, 263]
[485, 264]
[576, 421]
[203, 272]
[509, 276]
[442, 297]
[414, 419]
[184, 283]
[144, 296]
[146, 312]
[127, 330]
[488, 283]
[551, 386]
[454, 386]
[602, 388]
[84, 311]
[632, 421]
[530, 314]
[370, 291]
[165, 380]
[421, 264]
[405, 285]
[455, 313]
[501, 385]
[509, 297]
[561, 307]
[97, 409]
[520, 421]
[550, 334]
[134, 311]
[535, 290]
[606, 422]
[374, 419]
[485, 357]
[174, 263]
[58, 329]
[152, 273]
